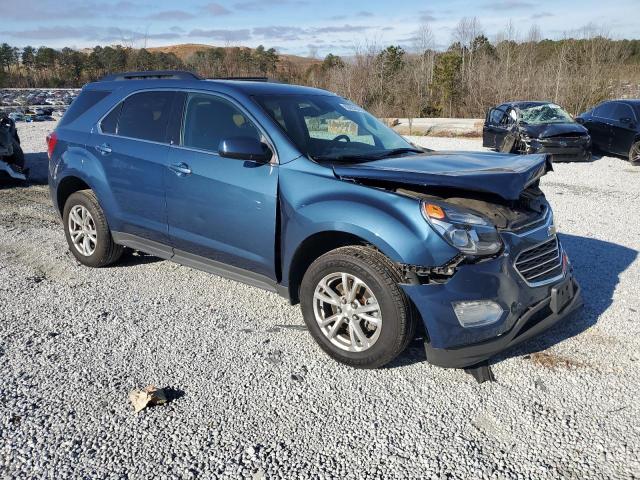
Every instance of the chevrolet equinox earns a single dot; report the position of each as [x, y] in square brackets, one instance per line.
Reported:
[300, 191]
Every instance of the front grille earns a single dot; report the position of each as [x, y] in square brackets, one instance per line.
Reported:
[540, 264]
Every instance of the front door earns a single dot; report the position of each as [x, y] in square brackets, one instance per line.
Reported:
[494, 128]
[221, 211]
[131, 146]
[623, 129]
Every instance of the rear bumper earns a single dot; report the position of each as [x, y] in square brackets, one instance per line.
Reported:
[535, 320]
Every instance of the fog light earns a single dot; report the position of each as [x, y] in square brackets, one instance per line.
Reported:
[477, 313]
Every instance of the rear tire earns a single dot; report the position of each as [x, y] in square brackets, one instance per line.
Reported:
[634, 153]
[372, 281]
[87, 231]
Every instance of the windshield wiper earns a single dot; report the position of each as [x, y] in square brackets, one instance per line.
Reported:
[340, 158]
[397, 151]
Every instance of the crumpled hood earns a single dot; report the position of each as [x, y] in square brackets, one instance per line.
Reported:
[554, 129]
[502, 174]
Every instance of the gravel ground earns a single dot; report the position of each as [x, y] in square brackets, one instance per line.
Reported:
[257, 398]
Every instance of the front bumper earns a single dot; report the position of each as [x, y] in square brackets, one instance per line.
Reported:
[538, 318]
[567, 150]
[526, 305]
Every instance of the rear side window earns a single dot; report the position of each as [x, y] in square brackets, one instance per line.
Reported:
[145, 116]
[209, 119]
[622, 111]
[86, 100]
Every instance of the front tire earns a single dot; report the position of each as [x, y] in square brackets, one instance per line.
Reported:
[354, 308]
[87, 231]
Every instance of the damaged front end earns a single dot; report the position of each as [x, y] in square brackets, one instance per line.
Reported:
[511, 277]
[477, 305]
[561, 148]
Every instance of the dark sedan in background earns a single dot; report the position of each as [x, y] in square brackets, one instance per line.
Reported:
[615, 127]
[536, 127]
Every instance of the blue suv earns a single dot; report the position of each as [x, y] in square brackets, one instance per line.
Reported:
[299, 191]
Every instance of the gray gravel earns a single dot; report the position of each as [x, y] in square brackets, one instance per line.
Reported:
[259, 399]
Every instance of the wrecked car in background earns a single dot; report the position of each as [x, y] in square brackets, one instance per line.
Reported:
[11, 155]
[536, 127]
[615, 127]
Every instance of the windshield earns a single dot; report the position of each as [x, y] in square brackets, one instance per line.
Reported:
[542, 114]
[332, 128]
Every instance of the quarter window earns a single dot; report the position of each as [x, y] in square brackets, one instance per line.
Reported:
[145, 116]
[86, 100]
[209, 119]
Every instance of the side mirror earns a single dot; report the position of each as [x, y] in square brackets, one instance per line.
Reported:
[625, 120]
[245, 148]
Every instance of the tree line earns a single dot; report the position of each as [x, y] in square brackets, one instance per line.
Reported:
[471, 75]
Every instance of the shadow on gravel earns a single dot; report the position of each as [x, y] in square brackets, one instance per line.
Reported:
[38, 165]
[597, 266]
[131, 258]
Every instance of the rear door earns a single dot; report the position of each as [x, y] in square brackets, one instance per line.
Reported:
[600, 126]
[623, 129]
[221, 211]
[132, 147]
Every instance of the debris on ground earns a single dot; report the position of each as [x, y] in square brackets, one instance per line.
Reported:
[149, 396]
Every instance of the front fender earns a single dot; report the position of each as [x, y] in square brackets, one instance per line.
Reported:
[313, 201]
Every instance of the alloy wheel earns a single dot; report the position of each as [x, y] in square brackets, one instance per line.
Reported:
[82, 230]
[347, 312]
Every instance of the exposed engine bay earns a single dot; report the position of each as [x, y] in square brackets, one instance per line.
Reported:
[511, 215]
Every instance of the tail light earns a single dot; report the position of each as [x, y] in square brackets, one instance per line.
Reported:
[52, 139]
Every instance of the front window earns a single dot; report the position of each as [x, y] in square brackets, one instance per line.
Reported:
[332, 128]
[208, 120]
[544, 114]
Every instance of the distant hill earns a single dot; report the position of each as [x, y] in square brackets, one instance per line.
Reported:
[185, 50]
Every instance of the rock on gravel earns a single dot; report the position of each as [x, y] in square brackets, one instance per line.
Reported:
[259, 398]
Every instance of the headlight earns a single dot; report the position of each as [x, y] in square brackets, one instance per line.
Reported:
[467, 231]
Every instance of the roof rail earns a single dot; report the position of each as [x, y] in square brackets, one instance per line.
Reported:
[246, 79]
[151, 75]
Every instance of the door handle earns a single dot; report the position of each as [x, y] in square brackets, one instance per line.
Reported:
[104, 149]
[180, 169]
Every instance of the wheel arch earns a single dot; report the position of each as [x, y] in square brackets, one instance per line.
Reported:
[67, 187]
[312, 248]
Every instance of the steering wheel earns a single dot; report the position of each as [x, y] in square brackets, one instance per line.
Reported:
[341, 137]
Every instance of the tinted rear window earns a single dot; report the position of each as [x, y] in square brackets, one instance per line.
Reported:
[145, 116]
[86, 100]
[622, 111]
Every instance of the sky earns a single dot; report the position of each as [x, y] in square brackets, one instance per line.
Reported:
[299, 27]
